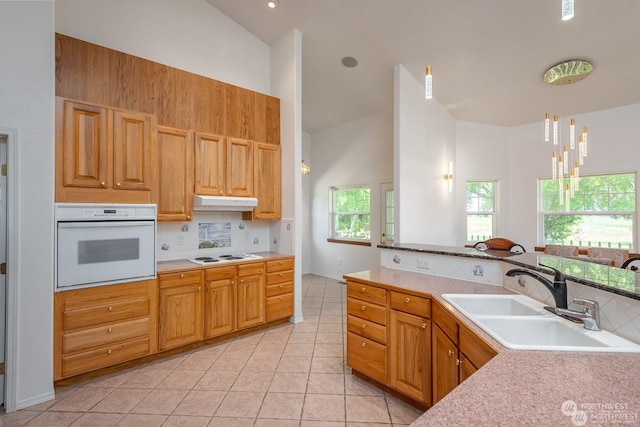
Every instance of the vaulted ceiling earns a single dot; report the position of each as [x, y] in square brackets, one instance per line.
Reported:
[488, 57]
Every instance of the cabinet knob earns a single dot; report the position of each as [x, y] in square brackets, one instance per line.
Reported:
[364, 344]
[109, 351]
[364, 325]
[199, 288]
[241, 280]
[182, 275]
[221, 192]
[281, 286]
[257, 215]
[424, 326]
[458, 362]
[363, 290]
[229, 192]
[281, 262]
[189, 217]
[281, 274]
[450, 353]
[363, 307]
[407, 300]
[117, 184]
[109, 330]
[103, 184]
[280, 298]
[110, 308]
[232, 282]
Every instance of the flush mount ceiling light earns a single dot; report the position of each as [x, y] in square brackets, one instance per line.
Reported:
[568, 72]
[273, 3]
[567, 9]
[349, 61]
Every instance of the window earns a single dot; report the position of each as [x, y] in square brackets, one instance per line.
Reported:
[601, 213]
[386, 189]
[350, 213]
[481, 211]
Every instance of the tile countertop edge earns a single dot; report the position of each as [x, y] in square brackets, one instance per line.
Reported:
[520, 387]
[172, 266]
[526, 260]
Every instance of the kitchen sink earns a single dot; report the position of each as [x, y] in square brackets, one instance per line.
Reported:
[520, 322]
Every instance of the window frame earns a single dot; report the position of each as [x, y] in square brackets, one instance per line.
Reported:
[633, 214]
[493, 213]
[332, 215]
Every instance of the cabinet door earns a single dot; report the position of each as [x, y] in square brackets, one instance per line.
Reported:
[409, 356]
[210, 159]
[218, 307]
[267, 181]
[250, 301]
[132, 156]
[175, 174]
[444, 354]
[180, 316]
[85, 145]
[465, 367]
[239, 167]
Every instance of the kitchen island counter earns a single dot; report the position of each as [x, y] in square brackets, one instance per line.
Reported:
[524, 387]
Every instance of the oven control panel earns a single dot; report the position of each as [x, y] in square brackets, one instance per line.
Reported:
[102, 212]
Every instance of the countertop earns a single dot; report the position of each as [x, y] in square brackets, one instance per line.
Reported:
[518, 387]
[610, 279]
[183, 264]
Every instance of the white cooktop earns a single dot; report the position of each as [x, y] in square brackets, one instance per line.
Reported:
[215, 260]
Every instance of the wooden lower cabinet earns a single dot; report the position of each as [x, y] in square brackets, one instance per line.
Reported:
[99, 327]
[181, 309]
[219, 304]
[250, 295]
[409, 355]
[279, 290]
[367, 356]
[444, 353]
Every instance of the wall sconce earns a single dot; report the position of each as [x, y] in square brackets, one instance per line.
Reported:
[449, 177]
[304, 169]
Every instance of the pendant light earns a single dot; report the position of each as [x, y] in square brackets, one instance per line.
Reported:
[428, 83]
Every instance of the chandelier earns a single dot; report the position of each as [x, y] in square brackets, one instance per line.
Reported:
[566, 161]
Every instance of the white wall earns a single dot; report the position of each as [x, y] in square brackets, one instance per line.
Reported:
[306, 204]
[188, 34]
[27, 107]
[358, 152]
[424, 144]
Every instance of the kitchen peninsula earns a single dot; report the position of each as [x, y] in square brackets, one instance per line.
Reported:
[515, 387]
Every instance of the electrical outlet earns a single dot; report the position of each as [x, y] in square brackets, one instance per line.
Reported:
[478, 270]
[424, 263]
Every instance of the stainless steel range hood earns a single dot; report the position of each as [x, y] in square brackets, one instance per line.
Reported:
[224, 204]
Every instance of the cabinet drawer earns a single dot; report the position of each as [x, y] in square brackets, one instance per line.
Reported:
[367, 311]
[279, 265]
[419, 306]
[367, 293]
[220, 273]
[367, 329]
[279, 289]
[446, 322]
[103, 314]
[475, 348]
[281, 276]
[279, 307]
[177, 279]
[105, 356]
[102, 335]
[251, 269]
[367, 357]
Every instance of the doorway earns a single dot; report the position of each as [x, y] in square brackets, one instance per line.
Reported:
[3, 259]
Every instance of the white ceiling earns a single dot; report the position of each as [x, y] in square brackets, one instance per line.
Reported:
[488, 56]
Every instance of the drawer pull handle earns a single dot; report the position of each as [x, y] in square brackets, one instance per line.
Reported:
[110, 308]
[364, 344]
[182, 275]
[450, 353]
[109, 330]
[363, 307]
[364, 325]
[363, 290]
[424, 326]
[109, 351]
[407, 300]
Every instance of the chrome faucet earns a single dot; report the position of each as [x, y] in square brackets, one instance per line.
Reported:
[590, 316]
[558, 288]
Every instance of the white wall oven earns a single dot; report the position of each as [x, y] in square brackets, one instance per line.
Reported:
[99, 244]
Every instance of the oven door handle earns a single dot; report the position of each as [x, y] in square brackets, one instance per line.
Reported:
[96, 224]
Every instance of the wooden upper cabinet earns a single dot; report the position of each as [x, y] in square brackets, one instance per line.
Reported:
[240, 112]
[267, 182]
[210, 161]
[267, 119]
[132, 137]
[175, 174]
[105, 153]
[209, 105]
[239, 167]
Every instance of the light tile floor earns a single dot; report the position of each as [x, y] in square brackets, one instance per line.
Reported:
[289, 375]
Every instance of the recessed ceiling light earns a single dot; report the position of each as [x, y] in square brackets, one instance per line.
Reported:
[349, 61]
[273, 3]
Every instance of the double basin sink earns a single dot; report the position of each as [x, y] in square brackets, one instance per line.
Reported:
[520, 322]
